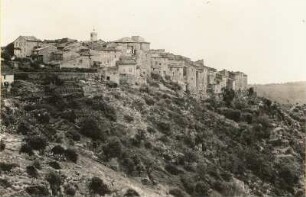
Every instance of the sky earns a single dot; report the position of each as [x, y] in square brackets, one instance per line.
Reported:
[266, 39]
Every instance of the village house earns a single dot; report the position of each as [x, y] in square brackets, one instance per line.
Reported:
[111, 74]
[24, 45]
[241, 81]
[127, 70]
[202, 78]
[43, 54]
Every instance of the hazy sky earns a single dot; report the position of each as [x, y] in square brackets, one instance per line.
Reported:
[264, 38]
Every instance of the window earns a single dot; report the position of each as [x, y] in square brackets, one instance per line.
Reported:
[130, 70]
[4, 77]
[107, 78]
[80, 61]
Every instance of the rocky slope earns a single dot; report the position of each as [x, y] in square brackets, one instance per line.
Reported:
[152, 140]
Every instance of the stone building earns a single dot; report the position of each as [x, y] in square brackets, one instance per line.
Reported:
[43, 54]
[241, 81]
[24, 46]
[127, 70]
[159, 62]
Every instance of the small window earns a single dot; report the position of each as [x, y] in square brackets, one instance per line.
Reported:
[107, 78]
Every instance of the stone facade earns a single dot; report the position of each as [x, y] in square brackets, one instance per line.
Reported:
[24, 46]
[130, 60]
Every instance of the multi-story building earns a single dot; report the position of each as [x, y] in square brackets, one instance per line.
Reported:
[24, 46]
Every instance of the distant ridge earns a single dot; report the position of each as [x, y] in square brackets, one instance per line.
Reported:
[285, 93]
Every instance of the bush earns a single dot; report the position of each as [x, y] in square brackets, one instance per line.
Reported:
[4, 183]
[74, 135]
[25, 148]
[247, 117]
[69, 115]
[32, 172]
[37, 142]
[37, 190]
[113, 148]
[172, 169]
[55, 165]
[58, 150]
[55, 182]
[164, 127]
[131, 193]
[232, 114]
[149, 100]
[176, 192]
[90, 128]
[188, 183]
[71, 155]
[69, 190]
[37, 164]
[96, 186]
[201, 189]
[111, 84]
[7, 167]
[23, 128]
[129, 118]
[2, 145]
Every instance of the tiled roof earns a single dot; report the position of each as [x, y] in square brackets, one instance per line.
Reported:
[133, 39]
[30, 38]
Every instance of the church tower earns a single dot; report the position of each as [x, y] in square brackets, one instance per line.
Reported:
[93, 36]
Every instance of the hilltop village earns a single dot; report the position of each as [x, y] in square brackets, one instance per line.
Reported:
[128, 60]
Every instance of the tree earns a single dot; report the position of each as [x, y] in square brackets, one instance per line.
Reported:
[228, 96]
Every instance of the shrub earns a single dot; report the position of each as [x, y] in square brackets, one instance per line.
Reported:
[128, 118]
[37, 164]
[176, 192]
[4, 183]
[69, 190]
[7, 167]
[42, 117]
[172, 169]
[90, 128]
[32, 172]
[2, 145]
[247, 117]
[111, 84]
[190, 156]
[149, 101]
[228, 96]
[37, 190]
[96, 186]
[74, 135]
[25, 148]
[58, 150]
[71, 155]
[55, 182]
[131, 193]
[23, 128]
[113, 148]
[164, 127]
[55, 165]
[201, 189]
[37, 142]
[69, 115]
[232, 114]
[188, 183]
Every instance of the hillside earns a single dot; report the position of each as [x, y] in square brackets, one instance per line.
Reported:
[285, 93]
[152, 140]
